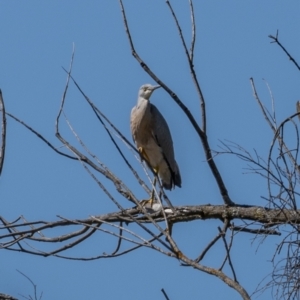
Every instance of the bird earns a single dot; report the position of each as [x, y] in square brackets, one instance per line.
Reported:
[153, 139]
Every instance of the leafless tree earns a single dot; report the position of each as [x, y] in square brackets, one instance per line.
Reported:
[133, 225]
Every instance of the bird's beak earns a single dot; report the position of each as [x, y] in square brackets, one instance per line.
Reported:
[156, 87]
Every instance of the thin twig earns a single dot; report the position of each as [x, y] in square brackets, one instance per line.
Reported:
[119, 240]
[190, 60]
[227, 253]
[3, 132]
[34, 287]
[273, 104]
[165, 294]
[40, 136]
[213, 241]
[193, 31]
[276, 40]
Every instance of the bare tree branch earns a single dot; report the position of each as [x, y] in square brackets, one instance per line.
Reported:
[3, 132]
[34, 288]
[190, 58]
[31, 230]
[7, 297]
[165, 294]
[276, 40]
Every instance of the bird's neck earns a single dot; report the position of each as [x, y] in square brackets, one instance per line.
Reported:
[143, 107]
[142, 103]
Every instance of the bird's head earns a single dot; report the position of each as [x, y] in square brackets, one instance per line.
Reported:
[146, 90]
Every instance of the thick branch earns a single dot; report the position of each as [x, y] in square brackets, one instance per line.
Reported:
[6, 297]
[182, 214]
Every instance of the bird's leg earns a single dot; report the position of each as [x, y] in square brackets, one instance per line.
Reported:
[153, 190]
[143, 154]
[151, 200]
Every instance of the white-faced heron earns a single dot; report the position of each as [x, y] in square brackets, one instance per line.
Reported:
[153, 139]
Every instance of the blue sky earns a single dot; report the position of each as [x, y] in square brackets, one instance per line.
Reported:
[232, 46]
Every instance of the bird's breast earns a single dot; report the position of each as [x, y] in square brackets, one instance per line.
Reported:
[141, 125]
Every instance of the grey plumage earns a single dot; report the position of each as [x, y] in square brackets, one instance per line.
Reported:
[153, 139]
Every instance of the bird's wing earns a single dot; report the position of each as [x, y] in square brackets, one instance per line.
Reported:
[162, 135]
[133, 125]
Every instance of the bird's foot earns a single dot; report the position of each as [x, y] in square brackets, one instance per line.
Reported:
[151, 205]
[147, 203]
